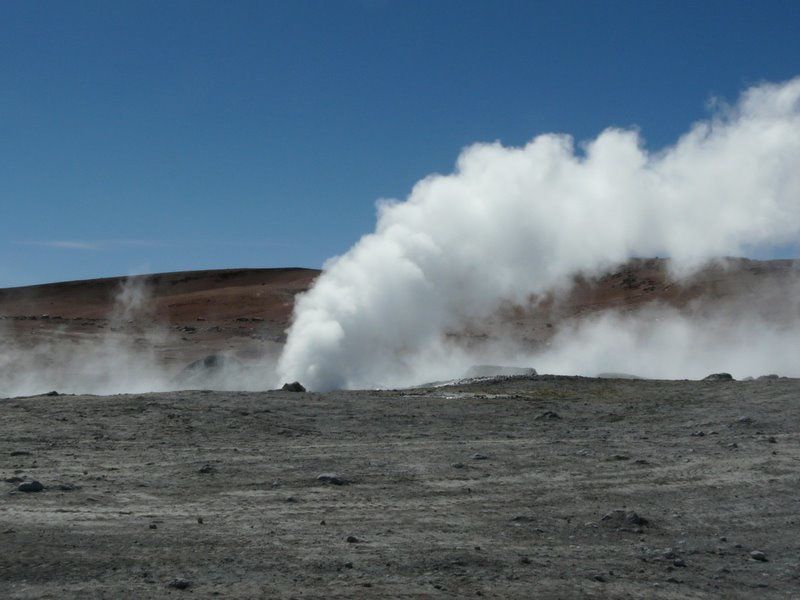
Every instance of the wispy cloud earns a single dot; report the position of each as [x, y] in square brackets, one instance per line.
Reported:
[87, 245]
[65, 244]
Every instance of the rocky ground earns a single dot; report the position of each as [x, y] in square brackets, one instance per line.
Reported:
[524, 487]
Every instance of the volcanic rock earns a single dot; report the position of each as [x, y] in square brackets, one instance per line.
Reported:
[295, 386]
[622, 519]
[30, 486]
[333, 479]
[719, 377]
[180, 583]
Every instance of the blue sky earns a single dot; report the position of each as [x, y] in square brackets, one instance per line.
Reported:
[160, 136]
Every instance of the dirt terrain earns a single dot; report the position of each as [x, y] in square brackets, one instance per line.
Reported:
[244, 313]
[501, 488]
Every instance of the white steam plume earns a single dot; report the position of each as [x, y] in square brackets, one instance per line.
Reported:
[511, 222]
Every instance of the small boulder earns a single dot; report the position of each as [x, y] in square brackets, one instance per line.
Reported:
[333, 479]
[180, 583]
[626, 520]
[718, 377]
[548, 415]
[30, 486]
[295, 386]
[758, 555]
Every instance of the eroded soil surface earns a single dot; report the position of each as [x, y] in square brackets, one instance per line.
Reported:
[494, 489]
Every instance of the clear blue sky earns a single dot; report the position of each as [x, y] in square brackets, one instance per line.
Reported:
[159, 136]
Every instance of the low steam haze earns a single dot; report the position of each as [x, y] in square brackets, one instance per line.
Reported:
[511, 223]
[512, 228]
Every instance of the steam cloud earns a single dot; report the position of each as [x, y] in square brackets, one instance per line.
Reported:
[117, 361]
[512, 222]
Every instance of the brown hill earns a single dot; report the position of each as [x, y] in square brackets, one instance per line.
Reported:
[246, 311]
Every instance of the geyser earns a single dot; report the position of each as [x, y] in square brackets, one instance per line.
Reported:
[511, 222]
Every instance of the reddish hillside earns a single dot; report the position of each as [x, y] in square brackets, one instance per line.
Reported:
[246, 311]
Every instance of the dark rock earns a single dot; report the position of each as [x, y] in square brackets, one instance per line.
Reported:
[53, 393]
[295, 386]
[718, 377]
[333, 479]
[625, 520]
[458, 466]
[206, 469]
[479, 456]
[180, 584]
[679, 562]
[548, 415]
[771, 439]
[14, 479]
[351, 539]
[30, 486]
[758, 555]
[19, 453]
[68, 487]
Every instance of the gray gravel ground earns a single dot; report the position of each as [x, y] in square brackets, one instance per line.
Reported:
[460, 491]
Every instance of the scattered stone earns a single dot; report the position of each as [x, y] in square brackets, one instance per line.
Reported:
[479, 456]
[153, 526]
[620, 457]
[295, 386]
[744, 421]
[669, 553]
[206, 469]
[771, 439]
[548, 415]
[524, 560]
[698, 433]
[351, 539]
[19, 453]
[758, 555]
[625, 520]
[30, 486]
[333, 479]
[68, 487]
[458, 466]
[180, 583]
[523, 519]
[718, 377]
[199, 520]
[599, 578]
[679, 562]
